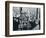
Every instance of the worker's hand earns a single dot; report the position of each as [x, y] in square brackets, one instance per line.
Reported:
[37, 21]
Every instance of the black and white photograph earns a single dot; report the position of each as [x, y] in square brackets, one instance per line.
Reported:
[24, 18]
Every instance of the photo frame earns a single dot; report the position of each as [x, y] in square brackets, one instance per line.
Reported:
[24, 18]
